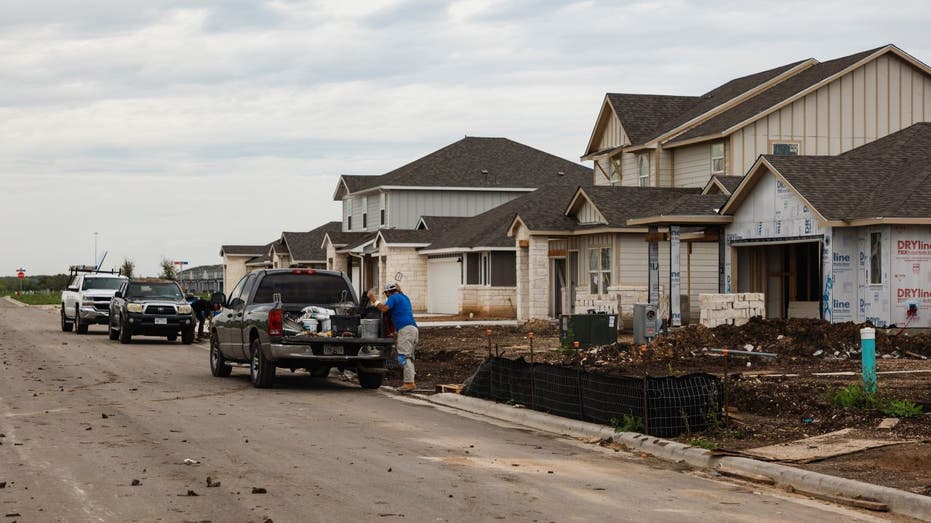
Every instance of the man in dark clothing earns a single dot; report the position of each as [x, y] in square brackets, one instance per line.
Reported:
[202, 309]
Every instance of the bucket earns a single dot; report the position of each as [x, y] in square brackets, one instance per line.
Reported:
[310, 325]
[325, 325]
[369, 328]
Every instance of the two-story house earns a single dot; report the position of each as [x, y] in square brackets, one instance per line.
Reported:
[390, 221]
[704, 143]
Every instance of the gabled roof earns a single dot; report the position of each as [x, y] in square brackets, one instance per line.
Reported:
[439, 223]
[417, 237]
[477, 164]
[347, 241]
[490, 229]
[720, 184]
[244, 250]
[886, 181]
[308, 246]
[641, 114]
[260, 261]
[645, 117]
[781, 93]
[620, 204]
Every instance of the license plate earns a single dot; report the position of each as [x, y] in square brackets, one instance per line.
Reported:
[161, 321]
[332, 350]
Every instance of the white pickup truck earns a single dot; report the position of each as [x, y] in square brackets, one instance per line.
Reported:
[87, 298]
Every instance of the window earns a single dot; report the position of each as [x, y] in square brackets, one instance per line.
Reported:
[473, 268]
[382, 200]
[599, 270]
[503, 269]
[643, 168]
[876, 258]
[717, 158]
[365, 212]
[785, 149]
[349, 214]
[614, 172]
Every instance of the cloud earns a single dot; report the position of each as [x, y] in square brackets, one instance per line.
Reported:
[173, 126]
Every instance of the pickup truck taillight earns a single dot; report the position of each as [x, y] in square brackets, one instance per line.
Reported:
[274, 322]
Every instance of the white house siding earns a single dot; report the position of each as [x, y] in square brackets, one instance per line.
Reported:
[666, 174]
[406, 207]
[589, 214]
[693, 165]
[630, 176]
[234, 268]
[872, 101]
[612, 136]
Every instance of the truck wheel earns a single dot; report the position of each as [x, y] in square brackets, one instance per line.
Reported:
[320, 372]
[187, 335]
[261, 371]
[126, 336]
[79, 326]
[370, 380]
[111, 332]
[218, 365]
[66, 325]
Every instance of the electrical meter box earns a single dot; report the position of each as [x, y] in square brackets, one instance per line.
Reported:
[646, 322]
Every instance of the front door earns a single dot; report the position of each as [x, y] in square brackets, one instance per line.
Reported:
[223, 322]
[573, 278]
[559, 285]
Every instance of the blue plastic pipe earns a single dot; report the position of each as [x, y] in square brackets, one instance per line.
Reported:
[868, 357]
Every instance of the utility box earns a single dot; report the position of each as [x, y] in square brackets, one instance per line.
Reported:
[588, 329]
[646, 321]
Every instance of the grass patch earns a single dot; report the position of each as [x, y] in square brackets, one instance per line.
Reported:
[627, 424]
[38, 299]
[703, 443]
[854, 397]
[902, 409]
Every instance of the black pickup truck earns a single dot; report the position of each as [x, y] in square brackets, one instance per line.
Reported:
[259, 323]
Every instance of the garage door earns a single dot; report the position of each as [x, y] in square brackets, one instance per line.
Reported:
[443, 279]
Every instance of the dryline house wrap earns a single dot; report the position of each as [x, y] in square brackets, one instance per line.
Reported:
[843, 238]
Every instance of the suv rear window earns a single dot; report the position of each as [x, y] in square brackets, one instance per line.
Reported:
[101, 283]
[318, 289]
[166, 291]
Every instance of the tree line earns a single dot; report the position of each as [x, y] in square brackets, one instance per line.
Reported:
[58, 282]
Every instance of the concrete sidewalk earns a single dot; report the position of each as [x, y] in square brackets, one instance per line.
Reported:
[827, 487]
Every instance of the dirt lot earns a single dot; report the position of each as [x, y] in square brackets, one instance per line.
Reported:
[770, 400]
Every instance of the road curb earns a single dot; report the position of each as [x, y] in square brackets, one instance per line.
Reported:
[898, 501]
[14, 302]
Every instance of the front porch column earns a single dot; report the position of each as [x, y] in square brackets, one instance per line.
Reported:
[653, 261]
[722, 266]
[675, 278]
[523, 280]
[539, 277]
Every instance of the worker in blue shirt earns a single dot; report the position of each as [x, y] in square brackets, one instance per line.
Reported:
[402, 315]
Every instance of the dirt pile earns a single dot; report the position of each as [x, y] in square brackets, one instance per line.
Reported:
[799, 338]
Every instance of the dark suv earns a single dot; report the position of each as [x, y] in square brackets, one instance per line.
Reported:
[151, 307]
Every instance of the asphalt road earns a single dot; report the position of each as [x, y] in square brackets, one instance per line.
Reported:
[83, 418]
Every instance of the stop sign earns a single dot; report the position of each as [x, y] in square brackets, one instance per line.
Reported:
[20, 274]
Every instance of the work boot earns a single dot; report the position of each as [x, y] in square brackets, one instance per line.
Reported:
[407, 387]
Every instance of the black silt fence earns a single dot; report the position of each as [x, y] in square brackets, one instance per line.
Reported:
[667, 406]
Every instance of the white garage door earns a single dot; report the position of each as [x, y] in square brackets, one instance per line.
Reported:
[443, 279]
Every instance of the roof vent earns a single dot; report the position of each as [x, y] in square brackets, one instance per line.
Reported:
[560, 173]
[485, 174]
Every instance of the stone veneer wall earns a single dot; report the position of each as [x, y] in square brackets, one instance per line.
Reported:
[730, 309]
[413, 266]
[619, 300]
[538, 274]
[500, 302]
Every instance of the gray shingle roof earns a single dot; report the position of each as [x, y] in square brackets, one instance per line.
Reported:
[888, 178]
[308, 246]
[645, 117]
[619, 204]
[541, 210]
[441, 223]
[245, 250]
[408, 235]
[772, 96]
[460, 164]
[641, 114]
[729, 182]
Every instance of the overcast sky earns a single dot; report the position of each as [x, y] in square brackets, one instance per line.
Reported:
[171, 127]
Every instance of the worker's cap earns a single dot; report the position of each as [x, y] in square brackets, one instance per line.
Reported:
[391, 287]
